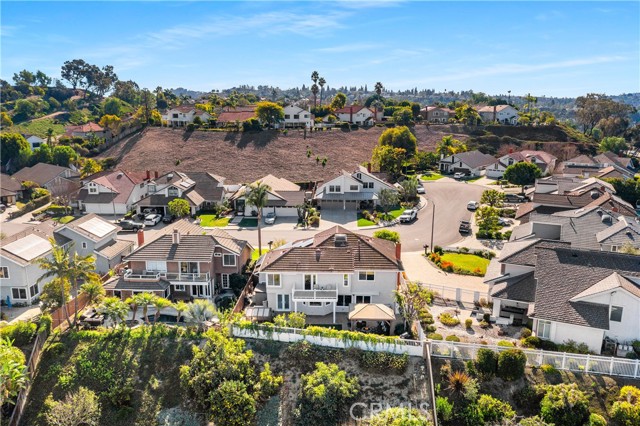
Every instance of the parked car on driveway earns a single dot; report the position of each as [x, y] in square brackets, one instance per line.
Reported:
[465, 226]
[473, 205]
[130, 225]
[168, 218]
[514, 198]
[152, 219]
[270, 218]
[408, 216]
[458, 175]
[420, 189]
[149, 210]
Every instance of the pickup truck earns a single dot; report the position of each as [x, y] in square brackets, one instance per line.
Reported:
[130, 225]
[408, 216]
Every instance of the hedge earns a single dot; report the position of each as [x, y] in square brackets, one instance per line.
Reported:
[30, 206]
[511, 364]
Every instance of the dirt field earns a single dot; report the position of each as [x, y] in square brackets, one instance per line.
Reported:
[245, 157]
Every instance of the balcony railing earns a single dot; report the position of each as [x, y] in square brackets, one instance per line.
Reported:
[319, 292]
[173, 277]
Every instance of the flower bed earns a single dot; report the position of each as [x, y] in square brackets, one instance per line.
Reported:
[460, 263]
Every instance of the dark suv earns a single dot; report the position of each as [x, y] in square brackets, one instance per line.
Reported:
[130, 225]
[465, 226]
[514, 198]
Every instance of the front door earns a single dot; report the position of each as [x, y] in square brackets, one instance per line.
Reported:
[309, 281]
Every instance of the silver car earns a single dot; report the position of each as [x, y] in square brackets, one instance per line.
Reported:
[270, 218]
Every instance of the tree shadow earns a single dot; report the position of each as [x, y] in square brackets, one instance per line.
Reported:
[186, 135]
[258, 139]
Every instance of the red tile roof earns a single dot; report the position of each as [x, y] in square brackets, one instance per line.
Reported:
[347, 110]
[229, 116]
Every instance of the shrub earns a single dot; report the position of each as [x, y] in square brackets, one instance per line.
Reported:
[398, 416]
[444, 408]
[45, 323]
[484, 324]
[528, 398]
[382, 361]
[452, 338]
[299, 352]
[574, 347]
[191, 127]
[538, 343]
[511, 364]
[385, 234]
[486, 362]
[506, 344]
[468, 322]
[626, 410]
[447, 319]
[596, 420]
[564, 405]
[434, 336]
[493, 410]
[526, 332]
[20, 332]
[438, 250]
[548, 369]
[460, 383]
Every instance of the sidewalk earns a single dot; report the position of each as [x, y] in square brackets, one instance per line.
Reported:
[419, 269]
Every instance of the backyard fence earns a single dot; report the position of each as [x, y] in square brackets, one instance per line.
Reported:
[59, 317]
[456, 294]
[291, 335]
[32, 366]
[593, 364]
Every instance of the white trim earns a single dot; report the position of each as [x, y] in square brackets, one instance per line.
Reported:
[222, 281]
[281, 297]
[5, 274]
[26, 291]
[235, 262]
[366, 275]
[272, 276]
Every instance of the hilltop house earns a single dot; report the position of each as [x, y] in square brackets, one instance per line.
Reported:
[503, 114]
[294, 116]
[235, 116]
[352, 191]
[356, 114]
[471, 163]
[283, 198]
[182, 115]
[183, 262]
[112, 192]
[85, 130]
[434, 114]
[59, 181]
[34, 141]
[545, 161]
[331, 272]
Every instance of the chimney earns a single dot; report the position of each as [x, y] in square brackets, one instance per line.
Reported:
[369, 167]
[140, 237]
[318, 253]
[156, 174]
[176, 236]
[148, 175]
[398, 251]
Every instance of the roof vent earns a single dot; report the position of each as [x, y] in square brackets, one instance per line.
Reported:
[594, 195]
[170, 176]
[119, 175]
[340, 240]
[606, 218]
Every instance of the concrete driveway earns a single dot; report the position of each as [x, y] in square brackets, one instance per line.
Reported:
[338, 216]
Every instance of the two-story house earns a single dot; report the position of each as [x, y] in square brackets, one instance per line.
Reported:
[112, 192]
[182, 115]
[503, 114]
[92, 235]
[356, 114]
[19, 268]
[296, 117]
[283, 198]
[434, 114]
[183, 262]
[330, 272]
[471, 163]
[200, 189]
[604, 165]
[59, 181]
[545, 161]
[352, 191]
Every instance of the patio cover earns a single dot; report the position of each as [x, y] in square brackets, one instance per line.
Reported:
[371, 312]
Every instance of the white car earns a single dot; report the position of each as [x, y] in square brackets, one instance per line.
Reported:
[473, 205]
[270, 218]
[152, 219]
[420, 189]
[408, 216]
[458, 176]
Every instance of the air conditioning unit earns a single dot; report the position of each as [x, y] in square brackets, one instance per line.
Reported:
[217, 254]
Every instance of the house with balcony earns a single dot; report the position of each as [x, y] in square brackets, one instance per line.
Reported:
[182, 115]
[352, 191]
[503, 114]
[296, 117]
[330, 273]
[112, 192]
[283, 198]
[545, 162]
[183, 262]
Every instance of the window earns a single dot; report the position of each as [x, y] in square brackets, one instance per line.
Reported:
[36, 145]
[366, 276]
[159, 266]
[84, 245]
[306, 116]
[544, 329]
[283, 302]
[172, 191]
[152, 188]
[4, 272]
[34, 290]
[345, 280]
[179, 287]
[229, 260]
[616, 313]
[188, 267]
[19, 293]
[363, 299]
[142, 185]
[344, 300]
[614, 248]
[225, 280]
[315, 303]
[334, 188]
[353, 187]
[367, 185]
[310, 281]
[287, 116]
[175, 115]
[273, 280]
[296, 116]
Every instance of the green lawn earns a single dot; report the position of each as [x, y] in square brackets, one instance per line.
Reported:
[431, 176]
[469, 262]
[255, 254]
[38, 127]
[63, 219]
[248, 222]
[212, 220]
[395, 213]
[473, 179]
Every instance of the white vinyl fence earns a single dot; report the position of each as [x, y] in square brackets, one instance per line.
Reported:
[593, 364]
[290, 335]
[457, 294]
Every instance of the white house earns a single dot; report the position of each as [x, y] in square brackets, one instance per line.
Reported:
[60, 181]
[356, 114]
[330, 272]
[182, 115]
[471, 163]
[112, 192]
[282, 199]
[294, 116]
[545, 161]
[352, 190]
[504, 114]
[34, 141]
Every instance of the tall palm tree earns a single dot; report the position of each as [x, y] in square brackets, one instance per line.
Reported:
[57, 266]
[200, 311]
[160, 303]
[315, 90]
[93, 289]
[315, 76]
[180, 307]
[321, 83]
[132, 302]
[258, 197]
[378, 88]
[80, 268]
[448, 146]
[145, 300]
[114, 309]
[50, 136]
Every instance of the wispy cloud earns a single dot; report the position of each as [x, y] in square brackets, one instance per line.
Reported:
[367, 4]
[9, 30]
[347, 48]
[549, 15]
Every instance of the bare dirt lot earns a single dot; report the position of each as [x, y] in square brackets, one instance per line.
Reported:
[245, 157]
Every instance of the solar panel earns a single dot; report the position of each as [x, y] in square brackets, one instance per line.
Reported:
[97, 227]
[184, 184]
[29, 247]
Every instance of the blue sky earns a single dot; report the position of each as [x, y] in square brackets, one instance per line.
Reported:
[545, 48]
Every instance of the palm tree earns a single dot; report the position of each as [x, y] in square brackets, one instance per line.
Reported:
[114, 309]
[160, 303]
[379, 88]
[315, 90]
[258, 197]
[321, 83]
[315, 76]
[132, 302]
[180, 307]
[448, 146]
[93, 289]
[57, 266]
[409, 188]
[145, 300]
[80, 268]
[200, 311]
[50, 136]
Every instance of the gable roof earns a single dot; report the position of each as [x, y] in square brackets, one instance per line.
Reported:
[352, 109]
[41, 173]
[474, 159]
[117, 181]
[612, 282]
[519, 287]
[9, 183]
[84, 128]
[91, 226]
[42, 231]
[489, 108]
[229, 116]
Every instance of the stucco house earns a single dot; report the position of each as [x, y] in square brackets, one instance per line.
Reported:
[231, 117]
[503, 114]
[352, 191]
[10, 189]
[86, 130]
[330, 273]
[282, 199]
[59, 181]
[295, 117]
[34, 141]
[182, 115]
[183, 262]
[112, 192]
[471, 163]
[435, 114]
[356, 114]
[545, 161]
[604, 165]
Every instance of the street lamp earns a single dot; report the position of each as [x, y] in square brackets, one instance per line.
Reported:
[433, 220]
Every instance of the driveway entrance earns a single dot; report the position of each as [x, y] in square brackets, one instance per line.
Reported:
[334, 214]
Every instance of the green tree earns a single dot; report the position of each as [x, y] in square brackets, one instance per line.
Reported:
[321, 83]
[144, 300]
[55, 293]
[522, 174]
[314, 91]
[111, 122]
[42, 154]
[387, 198]
[180, 308]
[385, 234]
[24, 109]
[233, 405]
[325, 392]
[113, 106]
[467, 114]
[114, 309]
[13, 378]
[379, 88]
[73, 72]
[487, 218]
[90, 167]
[339, 101]
[200, 311]
[564, 405]
[493, 410]
[94, 290]
[403, 116]
[424, 160]
[626, 410]
[5, 120]
[179, 207]
[409, 188]
[81, 268]
[57, 266]
[389, 159]
[399, 137]
[627, 189]
[399, 416]
[594, 108]
[269, 112]
[493, 198]
[24, 76]
[159, 303]
[64, 155]
[449, 146]
[78, 408]
[613, 144]
[127, 91]
[258, 197]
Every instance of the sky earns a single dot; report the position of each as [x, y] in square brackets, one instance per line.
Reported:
[543, 48]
